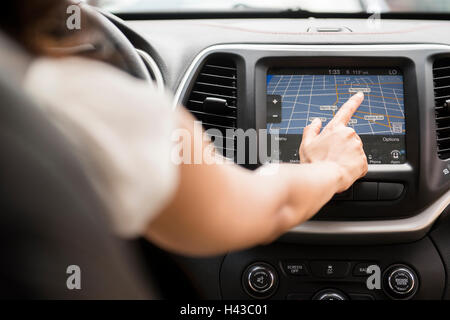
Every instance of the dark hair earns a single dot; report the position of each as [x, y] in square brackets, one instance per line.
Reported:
[40, 27]
[37, 24]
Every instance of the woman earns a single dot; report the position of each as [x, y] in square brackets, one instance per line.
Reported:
[122, 130]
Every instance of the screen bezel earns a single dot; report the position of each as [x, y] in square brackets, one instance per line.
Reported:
[332, 71]
[376, 172]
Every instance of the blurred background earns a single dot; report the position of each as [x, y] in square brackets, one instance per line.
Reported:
[311, 5]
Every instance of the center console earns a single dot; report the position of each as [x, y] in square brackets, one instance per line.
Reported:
[385, 218]
[299, 272]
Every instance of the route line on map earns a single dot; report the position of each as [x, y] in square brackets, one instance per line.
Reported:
[370, 84]
[381, 124]
[380, 114]
[371, 95]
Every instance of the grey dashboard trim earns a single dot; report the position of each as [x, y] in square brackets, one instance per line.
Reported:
[365, 232]
[399, 230]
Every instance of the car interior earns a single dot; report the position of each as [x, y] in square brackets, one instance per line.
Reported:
[252, 65]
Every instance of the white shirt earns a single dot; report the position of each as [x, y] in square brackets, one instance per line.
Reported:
[121, 129]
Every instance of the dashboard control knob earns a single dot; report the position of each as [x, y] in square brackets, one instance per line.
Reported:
[260, 280]
[330, 295]
[400, 282]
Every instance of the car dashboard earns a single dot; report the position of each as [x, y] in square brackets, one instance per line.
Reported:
[224, 72]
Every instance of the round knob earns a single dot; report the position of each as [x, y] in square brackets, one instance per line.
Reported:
[401, 282]
[330, 295]
[260, 280]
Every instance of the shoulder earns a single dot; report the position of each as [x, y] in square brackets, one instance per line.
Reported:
[121, 125]
[87, 79]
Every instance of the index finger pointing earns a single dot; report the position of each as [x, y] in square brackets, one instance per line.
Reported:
[346, 112]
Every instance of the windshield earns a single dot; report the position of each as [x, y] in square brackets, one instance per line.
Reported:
[338, 6]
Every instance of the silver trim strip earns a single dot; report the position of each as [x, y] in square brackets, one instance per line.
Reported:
[155, 71]
[398, 230]
[331, 296]
[419, 224]
[406, 167]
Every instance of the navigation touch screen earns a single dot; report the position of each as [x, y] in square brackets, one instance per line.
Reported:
[295, 97]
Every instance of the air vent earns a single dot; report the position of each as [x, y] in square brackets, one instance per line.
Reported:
[441, 74]
[213, 99]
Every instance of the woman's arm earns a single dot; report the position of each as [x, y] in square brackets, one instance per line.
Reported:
[223, 207]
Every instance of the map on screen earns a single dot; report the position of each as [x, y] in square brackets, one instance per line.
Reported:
[295, 97]
[305, 97]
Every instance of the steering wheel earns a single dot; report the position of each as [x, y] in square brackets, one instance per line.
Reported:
[110, 44]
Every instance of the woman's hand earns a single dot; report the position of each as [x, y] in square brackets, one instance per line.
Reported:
[337, 144]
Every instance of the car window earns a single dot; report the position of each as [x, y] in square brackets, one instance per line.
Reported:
[341, 6]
